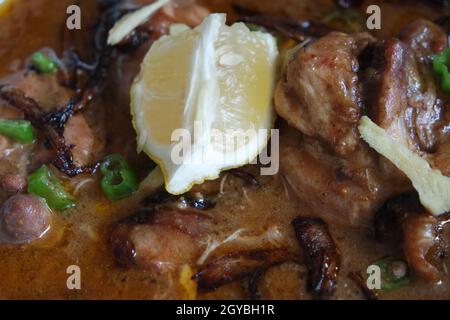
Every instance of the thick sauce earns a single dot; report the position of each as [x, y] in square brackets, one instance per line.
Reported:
[81, 236]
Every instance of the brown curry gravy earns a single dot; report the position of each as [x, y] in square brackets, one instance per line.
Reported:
[80, 236]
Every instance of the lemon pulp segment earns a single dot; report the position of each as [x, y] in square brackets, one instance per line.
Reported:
[213, 77]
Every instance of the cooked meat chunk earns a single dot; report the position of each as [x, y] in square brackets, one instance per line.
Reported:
[425, 38]
[187, 221]
[330, 168]
[24, 218]
[319, 93]
[402, 96]
[40, 99]
[78, 133]
[45, 89]
[160, 240]
[346, 191]
[403, 220]
[421, 235]
[162, 247]
[385, 89]
[155, 247]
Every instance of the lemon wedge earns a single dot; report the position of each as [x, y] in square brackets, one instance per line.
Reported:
[213, 84]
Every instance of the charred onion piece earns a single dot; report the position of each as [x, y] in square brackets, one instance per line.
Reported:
[97, 71]
[52, 125]
[253, 282]
[357, 278]
[33, 112]
[321, 255]
[159, 239]
[238, 265]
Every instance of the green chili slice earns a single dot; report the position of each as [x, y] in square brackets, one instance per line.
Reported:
[255, 27]
[119, 180]
[390, 279]
[441, 63]
[45, 184]
[20, 130]
[43, 63]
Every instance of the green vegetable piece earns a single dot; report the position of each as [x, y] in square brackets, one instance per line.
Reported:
[389, 280]
[119, 180]
[255, 27]
[45, 184]
[43, 63]
[20, 130]
[441, 63]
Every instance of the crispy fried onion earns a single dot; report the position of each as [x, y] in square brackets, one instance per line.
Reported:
[52, 124]
[321, 255]
[238, 265]
[63, 160]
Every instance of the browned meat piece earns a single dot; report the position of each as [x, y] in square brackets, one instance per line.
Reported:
[51, 131]
[421, 235]
[160, 240]
[385, 89]
[404, 221]
[319, 93]
[424, 97]
[425, 38]
[45, 89]
[188, 221]
[162, 247]
[78, 133]
[238, 265]
[159, 248]
[346, 191]
[14, 157]
[402, 96]
[331, 169]
[321, 255]
[24, 218]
